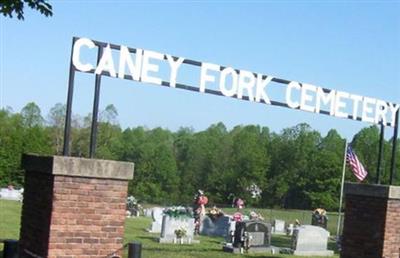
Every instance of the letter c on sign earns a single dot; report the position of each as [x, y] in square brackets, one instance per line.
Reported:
[292, 104]
[76, 54]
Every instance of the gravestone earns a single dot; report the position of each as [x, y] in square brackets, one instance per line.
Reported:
[231, 231]
[11, 194]
[215, 227]
[148, 213]
[171, 224]
[157, 215]
[279, 227]
[310, 240]
[290, 229]
[319, 218]
[253, 236]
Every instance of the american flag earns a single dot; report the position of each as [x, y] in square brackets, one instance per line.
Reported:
[358, 169]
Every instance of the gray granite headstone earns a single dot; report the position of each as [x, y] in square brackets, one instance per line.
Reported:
[215, 227]
[157, 215]
[310, 240]
[170, 224]
[254, 235]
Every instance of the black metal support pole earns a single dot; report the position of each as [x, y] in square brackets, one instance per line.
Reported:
[394, 148]
[67, 127]
[10, 249]
[134, 250]
[380, 155]
[93, 131]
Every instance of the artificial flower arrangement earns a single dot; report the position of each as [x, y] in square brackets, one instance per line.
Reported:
[214, 213]
[132, 206]
[255, 216]
[178, 212]
[180, 232]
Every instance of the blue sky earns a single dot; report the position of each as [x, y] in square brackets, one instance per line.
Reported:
[348, 46]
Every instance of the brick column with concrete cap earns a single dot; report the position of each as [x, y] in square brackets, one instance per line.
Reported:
[372, 221]
[73, 207]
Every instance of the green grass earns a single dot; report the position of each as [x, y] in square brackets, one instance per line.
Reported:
[10, 217]
[135, 230]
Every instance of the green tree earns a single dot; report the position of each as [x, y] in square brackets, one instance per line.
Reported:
[9, 7]
[109, 134]
[11, 141]
[56, 122]
[156, 177]
[323, 186]
[366, 145]
[250, 160]
[31, 115]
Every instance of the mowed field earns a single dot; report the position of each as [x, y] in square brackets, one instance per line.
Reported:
[135, 230]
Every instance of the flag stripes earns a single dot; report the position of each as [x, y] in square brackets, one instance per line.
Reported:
[356, 166]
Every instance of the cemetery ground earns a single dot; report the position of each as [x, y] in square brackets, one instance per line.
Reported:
[209, 247]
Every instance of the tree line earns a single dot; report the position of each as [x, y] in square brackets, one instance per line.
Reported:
[297, 168]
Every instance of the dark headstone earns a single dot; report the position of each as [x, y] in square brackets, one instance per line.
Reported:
[320, 220]
[215, 226]
[252, 236]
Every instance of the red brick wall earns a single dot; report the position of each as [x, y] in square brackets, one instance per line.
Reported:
[392, 230]
[371, 227]
[87, 216]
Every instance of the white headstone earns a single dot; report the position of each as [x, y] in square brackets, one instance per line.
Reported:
[290, 229]
[156, 214]
[311, 240]
[11, 194]
[170, 224]
[279, 226]
[148, 213]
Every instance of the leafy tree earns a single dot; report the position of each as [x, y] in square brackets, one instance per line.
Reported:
[31, 115]
[366, 145]
[109, 115]
[36, 138]
[156, 177]
[109, 134]
[296, 168]
[250, 160]
[11, 141]
[9, 7]
[323, 186]
[56, 121]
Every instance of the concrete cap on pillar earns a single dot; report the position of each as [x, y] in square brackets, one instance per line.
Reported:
[80, 167]
[372, 190]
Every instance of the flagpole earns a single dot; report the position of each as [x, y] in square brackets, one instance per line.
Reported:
[341, 190]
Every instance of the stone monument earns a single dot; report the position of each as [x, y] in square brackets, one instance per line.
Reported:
[252, 237]
[278, 227]
[157, 215]
[172, 225]
[215, 227]
[310, 240]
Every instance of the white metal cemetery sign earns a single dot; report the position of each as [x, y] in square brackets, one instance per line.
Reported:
[143, 65]
[137, 64]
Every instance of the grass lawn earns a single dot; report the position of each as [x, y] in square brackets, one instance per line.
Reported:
[209, 247]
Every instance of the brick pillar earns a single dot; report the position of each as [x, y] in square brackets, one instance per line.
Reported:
[73, 207]
[372, 221]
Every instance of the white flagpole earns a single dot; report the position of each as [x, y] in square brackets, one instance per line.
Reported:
[341, 190]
